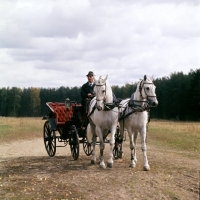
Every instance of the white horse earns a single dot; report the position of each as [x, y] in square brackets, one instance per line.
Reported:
[103, 118]
[134, 117]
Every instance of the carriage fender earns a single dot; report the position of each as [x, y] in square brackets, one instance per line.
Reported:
[52, 122]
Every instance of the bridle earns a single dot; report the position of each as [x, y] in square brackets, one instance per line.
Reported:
[140, 89]
[103, 98]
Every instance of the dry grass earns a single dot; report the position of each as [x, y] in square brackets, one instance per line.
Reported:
[12, 128]
[176, 135]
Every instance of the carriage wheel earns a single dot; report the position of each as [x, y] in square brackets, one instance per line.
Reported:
[117, 146]
[87, 147]
[74, 143]
[49, 139]
[116, 150]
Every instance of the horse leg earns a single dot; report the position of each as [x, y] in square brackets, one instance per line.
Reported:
[102, 146]
[135, 140]
[93, 159]
[101, 157]
[94, 138]
[132, 147]
[144, 149]
[111, 141]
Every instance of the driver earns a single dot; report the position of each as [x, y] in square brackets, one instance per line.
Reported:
[87, 89]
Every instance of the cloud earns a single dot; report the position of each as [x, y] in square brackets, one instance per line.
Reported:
[57, 42]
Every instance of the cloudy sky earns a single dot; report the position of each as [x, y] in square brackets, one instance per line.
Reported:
[53, 43]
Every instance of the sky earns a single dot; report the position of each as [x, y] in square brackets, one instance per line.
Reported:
[54, 43]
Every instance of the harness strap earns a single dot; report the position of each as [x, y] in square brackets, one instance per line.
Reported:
[134, 110]
[109, 106]
[92, 111]
[124, 116]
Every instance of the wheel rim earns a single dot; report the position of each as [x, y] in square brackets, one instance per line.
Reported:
[87, 147]
[49, 140]
[74, 144]
[74, 151]
[116, 151]
[117, 144]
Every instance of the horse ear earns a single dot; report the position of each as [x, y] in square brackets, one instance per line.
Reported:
[105, 79]
[145, 77]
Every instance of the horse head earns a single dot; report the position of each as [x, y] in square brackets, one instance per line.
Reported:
[147, 91]
[100, 90]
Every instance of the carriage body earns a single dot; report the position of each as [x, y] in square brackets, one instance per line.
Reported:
[66, 124]
[61, 118]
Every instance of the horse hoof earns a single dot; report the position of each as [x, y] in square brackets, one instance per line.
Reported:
[132, 165]
[102, 166]
[146, 168]
[110, 165]
[93, 162]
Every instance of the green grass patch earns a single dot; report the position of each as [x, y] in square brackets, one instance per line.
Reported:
[176, 135]
[4, 128]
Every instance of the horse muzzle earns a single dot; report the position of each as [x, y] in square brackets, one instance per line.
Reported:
[153, 104]
[99, 108]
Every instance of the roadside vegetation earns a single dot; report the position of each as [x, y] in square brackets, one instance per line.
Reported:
[175, 134]
[12, 128]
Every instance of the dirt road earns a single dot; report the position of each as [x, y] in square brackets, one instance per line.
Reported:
[26, 172]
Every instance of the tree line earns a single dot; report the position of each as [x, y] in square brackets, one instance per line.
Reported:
[178, 96]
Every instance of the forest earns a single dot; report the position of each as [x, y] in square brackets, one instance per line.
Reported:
[178, 96]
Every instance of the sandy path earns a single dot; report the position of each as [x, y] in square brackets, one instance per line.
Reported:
[173, 175]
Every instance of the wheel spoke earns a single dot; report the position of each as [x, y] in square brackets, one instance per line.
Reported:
[87, 147]
[49, 140]
[74, 143]
[116, 151]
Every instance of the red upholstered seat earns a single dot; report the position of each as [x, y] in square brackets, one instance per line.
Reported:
[62, 114]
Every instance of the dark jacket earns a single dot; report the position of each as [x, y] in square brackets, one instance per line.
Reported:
[85, 89]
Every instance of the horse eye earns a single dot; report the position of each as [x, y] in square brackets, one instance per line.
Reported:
[147, 88]
[103, 91]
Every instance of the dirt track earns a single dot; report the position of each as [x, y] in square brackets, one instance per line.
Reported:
[26, 172]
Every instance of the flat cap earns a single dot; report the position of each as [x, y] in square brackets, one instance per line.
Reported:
[90, 73]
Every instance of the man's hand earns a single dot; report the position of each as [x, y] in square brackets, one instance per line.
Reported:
[89, 95]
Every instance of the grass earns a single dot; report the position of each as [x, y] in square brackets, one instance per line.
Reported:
[12, 128]
[176, 135]
[172, 134]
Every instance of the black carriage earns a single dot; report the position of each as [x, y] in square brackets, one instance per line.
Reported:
[66, 124]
